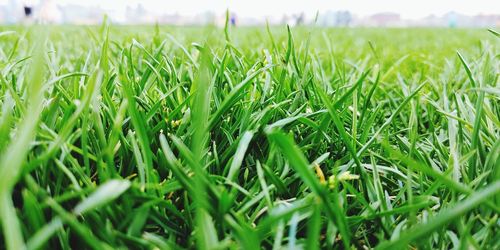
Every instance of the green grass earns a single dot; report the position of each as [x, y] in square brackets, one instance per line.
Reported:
[202, 137]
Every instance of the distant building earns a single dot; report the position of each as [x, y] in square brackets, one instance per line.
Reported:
[487, 20]
[385, 19]
[335, 18]
[49, 12]
[138, 15]
[12, 12]
[77, 14]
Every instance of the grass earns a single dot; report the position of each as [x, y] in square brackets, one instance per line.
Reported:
[201, 137]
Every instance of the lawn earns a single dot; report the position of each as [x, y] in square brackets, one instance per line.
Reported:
[148, 137]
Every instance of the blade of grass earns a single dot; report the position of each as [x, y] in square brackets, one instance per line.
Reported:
[443, 218]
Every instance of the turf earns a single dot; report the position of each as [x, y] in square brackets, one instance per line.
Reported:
[146, 137]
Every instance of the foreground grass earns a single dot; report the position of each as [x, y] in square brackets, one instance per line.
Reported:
[141, 137]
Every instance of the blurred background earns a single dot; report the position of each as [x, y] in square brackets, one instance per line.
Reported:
[382, 13]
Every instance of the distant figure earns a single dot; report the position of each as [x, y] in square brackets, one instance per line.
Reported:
[343, 18]
[452, 20]
[232, 19]
[299, 19]
[28, 11]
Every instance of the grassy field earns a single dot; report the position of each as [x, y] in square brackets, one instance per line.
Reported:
[150, 137]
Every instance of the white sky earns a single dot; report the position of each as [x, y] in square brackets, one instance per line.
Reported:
[276, 8]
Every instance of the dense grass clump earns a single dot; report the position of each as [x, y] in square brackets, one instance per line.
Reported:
[167, 138]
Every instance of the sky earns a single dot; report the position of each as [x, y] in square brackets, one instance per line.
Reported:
[277, 8]
[263, 8]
